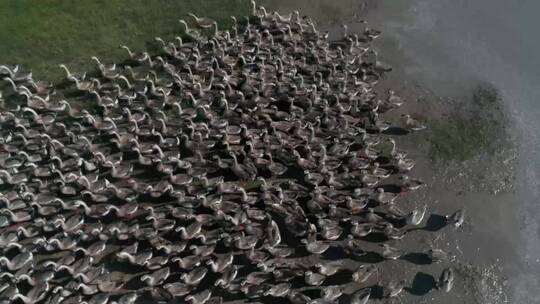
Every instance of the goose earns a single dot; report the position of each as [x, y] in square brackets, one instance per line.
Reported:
[314, 179]
[62, 241]
[361, 229]
[130, 253]
[157, 277]
[273, 234]
[180, 179]
[329, 269]
[126, 210]
[361, 296]
[37, 278]
[83, 288]
[102, 67]
[10, 163]
[122, 171]
[363, 273]
[201, 22]
[302, 162]
[19, 261]
[379, 172]
[354, 246]
[105, 102]
[55, 298]
[101, 298]
[177, 289]
[17, 216]
[385, 198]
[8, 291]
[416, 217]
[8, 237]
[252, 290]
[256, 278]
[18, 76]
[202, 251]
[73, 223]
[42, 119]
[191, 231]
[65, 260]
[240, 170]
[457, 218]
[446, 280]
[138, 57]
[199, 298]
[394, 151]
[368, 180]
[70, 76]
[91, 274]
[409, 184]
[72, 299]
[278, 290]
[189, 33]
[413, 124]
[105, 124]
[390, 252]
[30, 133]
[195, 276]
[95, 249]
[6, 69]
[227, 277]
[391, 232]
[244, 242]
[315, 247]
[108, 286]
[245, 198]
[436, 255]
[296, 297]
[332, 293]
[35, 295]
[15, 204]
[256, 256]
[128, 298]
[355, 205]
[394, 288]
[404, 164]
[222, 262]
[331, 233]
[170, 48]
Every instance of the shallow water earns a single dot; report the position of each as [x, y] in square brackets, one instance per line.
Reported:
[448, 47]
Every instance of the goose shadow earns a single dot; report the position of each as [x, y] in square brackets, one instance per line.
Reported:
[434, 223]
[375, 237]
[334, 253]
[393, 188]
[376, 292]
[370, 257]
[422, 284]
[417, 258]
[395, 131]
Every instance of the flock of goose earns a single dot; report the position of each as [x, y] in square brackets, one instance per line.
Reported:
[239, 165]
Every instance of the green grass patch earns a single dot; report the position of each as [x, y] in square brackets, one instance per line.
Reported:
[40, 34]
[475, 127]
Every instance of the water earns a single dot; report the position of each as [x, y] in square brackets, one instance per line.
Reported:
[450, 45]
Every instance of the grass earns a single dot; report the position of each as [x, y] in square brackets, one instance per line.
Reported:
[40, 34]
[478, 127]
